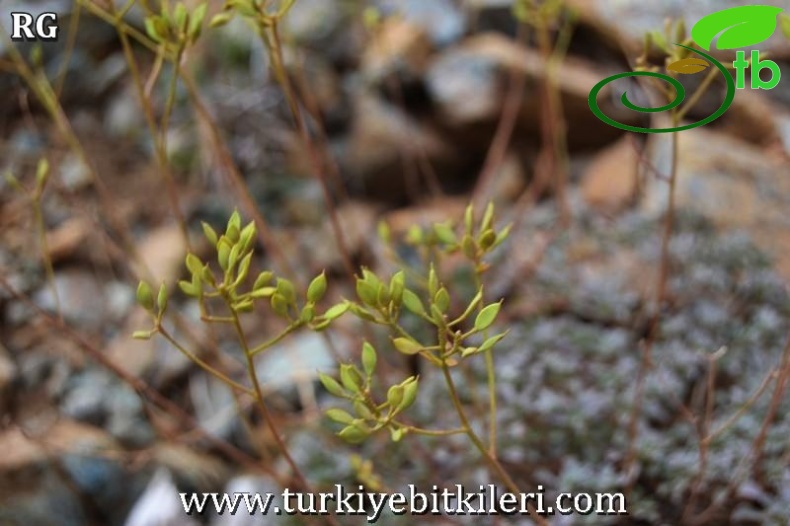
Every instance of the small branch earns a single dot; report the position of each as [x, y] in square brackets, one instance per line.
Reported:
[203, 365]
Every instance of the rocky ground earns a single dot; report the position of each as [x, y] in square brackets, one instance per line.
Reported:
[407, 109]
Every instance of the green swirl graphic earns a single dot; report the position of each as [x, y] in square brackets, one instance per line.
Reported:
[680, 95]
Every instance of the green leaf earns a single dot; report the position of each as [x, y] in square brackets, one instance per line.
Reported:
[223, 255]
[487, 239]
[193, 264]
[145, 296]
[472, 304]
[382, 295]
[244, 306]
[308, 313]
[180, 16]
[362, 410]
[206, 276]
[263, 292]
[263, 279]
[736, 27]
[361, 312]
[442, 300]
[188, 288]
[367, 293]
[371, 278]
[336, 311]
[340, 416]
[196, 21]
[437, 315]
[221, 19]
[233, 233]
[350, 378]
[161, 298]
[688, 66]
[320, 325]
[142, 335]
[660, 41]
[488, 217]
[414, 235]
[444, 232]
[502, 235]
[210, 233]
[395, 396]
[234, 223]
[286, 289]
[469, 247]
[396, 434]
[406, 346]
[152, 29]
[487, 316]
[368, 358]
[469, 217]
[244, 268]
[353, 434]
[233, 257]
[397, 286]
[247, 235]
[331, 385]
[433, 282]
[413, 303]
[317, 288]
[409, 393]
[680, 31]
[468, 351]
[279, 304]
[493, 340]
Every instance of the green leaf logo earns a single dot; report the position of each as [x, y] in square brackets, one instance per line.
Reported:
[688, 66]
[736, 27]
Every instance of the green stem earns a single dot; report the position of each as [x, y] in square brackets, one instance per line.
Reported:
[258, 392]
[490, 373]
[703, 87]
[44, 247]
[98, 12]
[160, 139]
[491, 460]
[277, 339]
[203, 365]
[434, 432]
[217, 319]
[492, 400]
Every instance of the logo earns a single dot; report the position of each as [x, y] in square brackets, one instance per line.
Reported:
[735, 27]
[25, 26]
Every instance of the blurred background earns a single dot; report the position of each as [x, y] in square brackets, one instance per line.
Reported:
[407, 110]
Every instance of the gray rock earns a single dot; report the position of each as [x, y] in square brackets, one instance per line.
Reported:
[81, 298]
[632, 18]
[732, 183]
[371, 156]
[216, 408]
[252, 485]
[159, 505]
[294, 361]
[40, 483]
[96, 397]
[468, 84]
[443, 20]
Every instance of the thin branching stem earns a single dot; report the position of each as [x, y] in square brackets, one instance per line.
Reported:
[200, 362]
